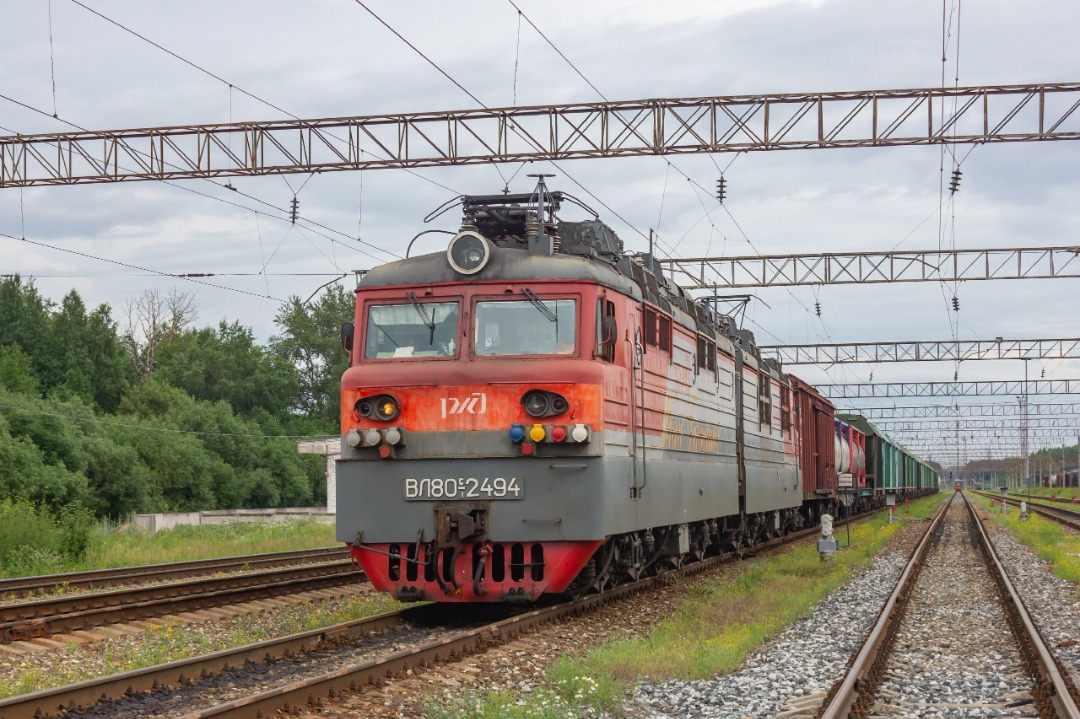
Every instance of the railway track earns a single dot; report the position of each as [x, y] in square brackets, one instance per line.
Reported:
[324, 664]
[101, 578]
[1067, 517]
[45, 617]
[954, 639]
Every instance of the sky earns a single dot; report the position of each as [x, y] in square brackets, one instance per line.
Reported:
[327, 58]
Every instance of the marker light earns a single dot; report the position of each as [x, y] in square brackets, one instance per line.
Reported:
[352, 438]
[517, 433]
[371, 438]
[386, 409]
[558, 433]
[393, 435]
[384, 451]
[536, 434]
[580, 433]
[527, 448]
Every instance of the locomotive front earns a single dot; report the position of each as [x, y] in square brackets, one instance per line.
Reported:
[473, 412]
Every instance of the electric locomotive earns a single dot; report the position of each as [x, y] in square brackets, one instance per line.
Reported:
[534, 411]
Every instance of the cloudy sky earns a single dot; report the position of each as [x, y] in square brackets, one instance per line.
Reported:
[329, 58]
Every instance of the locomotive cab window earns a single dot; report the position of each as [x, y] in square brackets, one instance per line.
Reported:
[412, 329]
[527, 327]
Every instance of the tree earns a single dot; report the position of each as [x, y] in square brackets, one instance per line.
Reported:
[24, 317]
[310, 340]
[227, 365]
[153, 320]
[91, 358]
[16, 371]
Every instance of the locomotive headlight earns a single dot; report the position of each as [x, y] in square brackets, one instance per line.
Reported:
[386, 408]
[537, 404]
[468, 252]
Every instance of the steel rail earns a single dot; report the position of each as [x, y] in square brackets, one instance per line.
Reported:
[1067, 517]
[26, 620]
[1053, 686]
[848, 693]
[170, 570]
[54, 702]
[854, 694]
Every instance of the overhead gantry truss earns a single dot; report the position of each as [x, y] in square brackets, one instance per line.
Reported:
[739, 123]
[986, 424]
[984, 435]
[928, 351]
[951, 411]
[725, 273]
[988, 388]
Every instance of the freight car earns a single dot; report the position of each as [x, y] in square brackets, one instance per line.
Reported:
[534, 411]
[890, 468]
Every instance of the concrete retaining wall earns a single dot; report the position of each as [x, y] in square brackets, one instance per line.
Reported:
[157, 522]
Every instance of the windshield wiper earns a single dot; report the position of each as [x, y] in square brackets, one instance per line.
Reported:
[429, 323]
[539, 305]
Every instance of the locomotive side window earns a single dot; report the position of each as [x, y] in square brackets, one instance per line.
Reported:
[606, 330]
[706, 355]
[414, 329]
[657, 329]
[533, 327]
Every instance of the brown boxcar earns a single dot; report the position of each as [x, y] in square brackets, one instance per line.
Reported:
[814, 418]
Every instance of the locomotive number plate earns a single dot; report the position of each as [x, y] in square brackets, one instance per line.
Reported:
[427, 488]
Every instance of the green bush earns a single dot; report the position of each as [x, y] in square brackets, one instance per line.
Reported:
[34, 540]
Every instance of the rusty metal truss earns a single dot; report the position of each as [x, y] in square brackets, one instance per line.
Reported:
[985, 435]
[846, 268]
[952, 411]
[929, 351]
[985, 424]
[986, 388]
[740, 123]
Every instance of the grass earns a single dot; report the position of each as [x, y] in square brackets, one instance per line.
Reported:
[130, 546]
[1049, 539]
[172, 642]
[719, 622]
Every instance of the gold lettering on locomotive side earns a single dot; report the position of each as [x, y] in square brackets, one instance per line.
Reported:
[690, 435]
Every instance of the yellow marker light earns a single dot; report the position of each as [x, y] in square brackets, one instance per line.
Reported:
[536, 434]
[387, 409]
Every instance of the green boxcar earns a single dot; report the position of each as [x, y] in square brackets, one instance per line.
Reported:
[889, 467]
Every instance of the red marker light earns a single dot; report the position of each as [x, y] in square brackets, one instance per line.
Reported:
[558, 433]
[384, 451]
[526, 448]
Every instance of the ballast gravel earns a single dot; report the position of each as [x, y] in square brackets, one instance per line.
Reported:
[804, 659]
[1053, 603]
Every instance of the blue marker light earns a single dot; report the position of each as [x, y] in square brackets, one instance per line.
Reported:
[517, 433]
